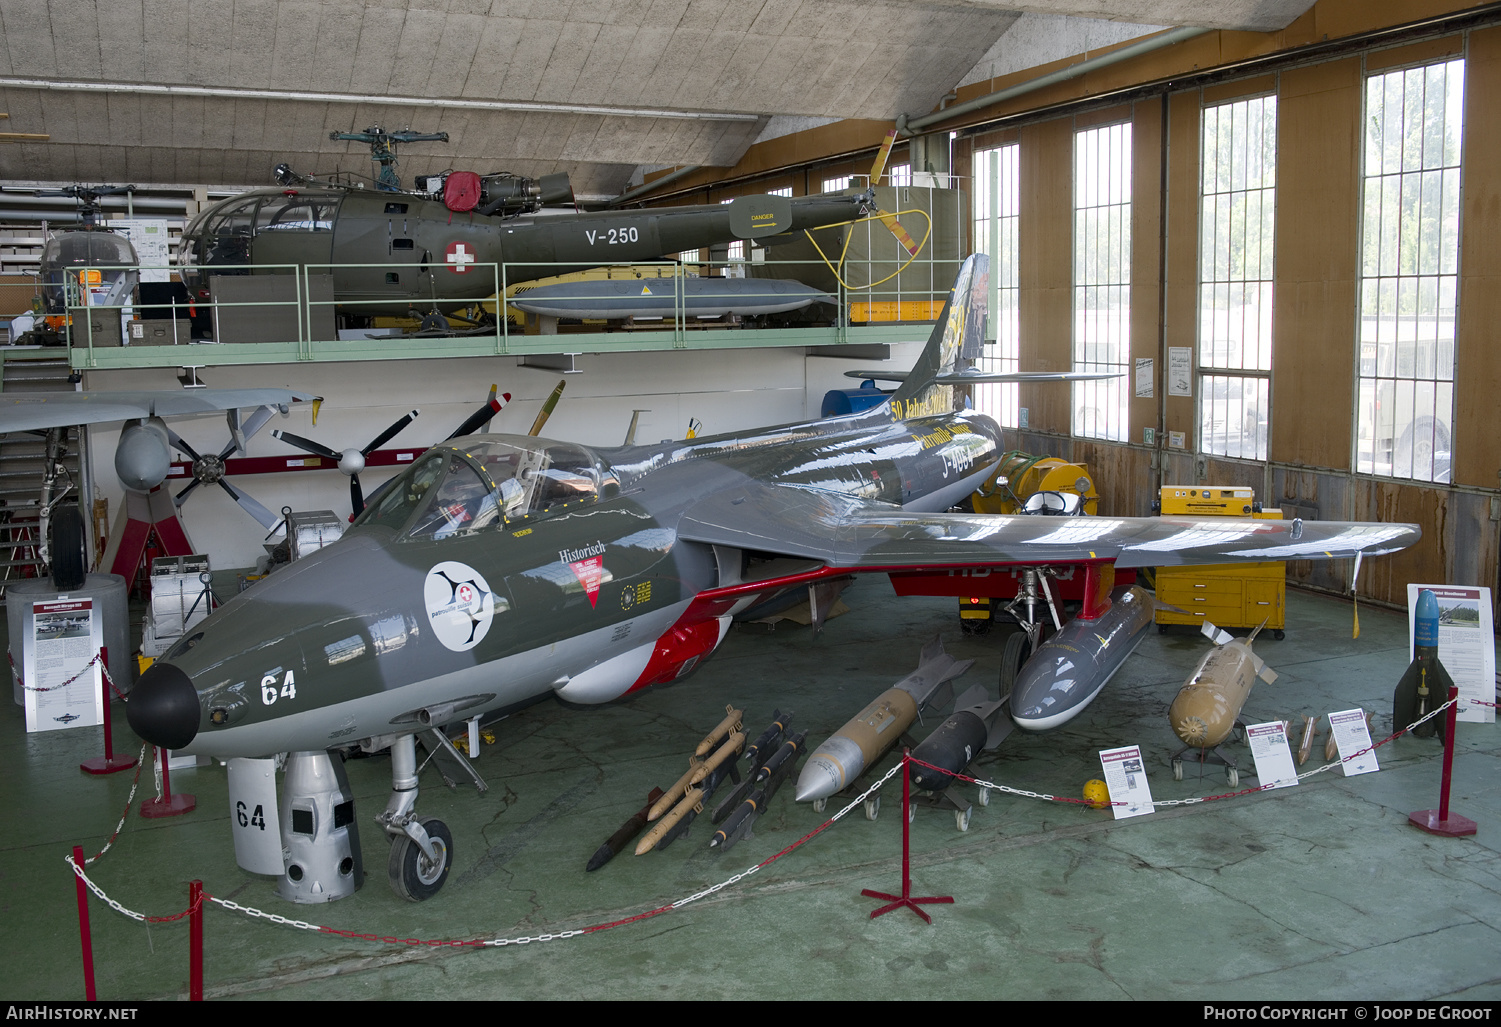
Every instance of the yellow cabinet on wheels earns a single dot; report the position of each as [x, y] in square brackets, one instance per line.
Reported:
[1239, 595]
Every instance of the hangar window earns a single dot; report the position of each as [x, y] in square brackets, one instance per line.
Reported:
[1409, 270]
[899, 175]
[997, 201]
[1102, 278]
[834, 185]
[1237, 206]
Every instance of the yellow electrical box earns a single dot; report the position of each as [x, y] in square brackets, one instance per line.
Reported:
[1231, 595]
[1210, 501]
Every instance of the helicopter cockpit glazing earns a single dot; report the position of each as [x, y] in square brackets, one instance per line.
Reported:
[221, 235]
[77, 269]
[473, 483]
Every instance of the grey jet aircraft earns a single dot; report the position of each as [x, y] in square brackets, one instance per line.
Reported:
[499, 569]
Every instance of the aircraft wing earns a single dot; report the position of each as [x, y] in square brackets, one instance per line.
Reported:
[846, 532]
[29, 411]
[973, 377]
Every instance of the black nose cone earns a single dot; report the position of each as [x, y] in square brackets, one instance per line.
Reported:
[163, 707]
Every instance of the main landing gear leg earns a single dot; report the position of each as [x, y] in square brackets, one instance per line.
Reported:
[421, 847]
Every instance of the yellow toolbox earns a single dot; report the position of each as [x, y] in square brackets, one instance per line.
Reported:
[1232, 595]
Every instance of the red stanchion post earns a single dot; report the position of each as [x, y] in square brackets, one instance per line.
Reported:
[109, 763]
[1440, 821]
[195, 941]
[905, 899]
[83, 927]
[168, 805]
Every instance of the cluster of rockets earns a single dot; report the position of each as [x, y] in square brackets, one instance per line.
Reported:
[769, 761]
[1203, 715]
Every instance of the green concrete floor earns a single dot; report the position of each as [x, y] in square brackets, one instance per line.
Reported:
[1316, 892]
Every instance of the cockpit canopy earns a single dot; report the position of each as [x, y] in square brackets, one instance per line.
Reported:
[221, 235]
[470, 484]
[78, 268]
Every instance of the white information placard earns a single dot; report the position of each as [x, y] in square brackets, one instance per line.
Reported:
[1466, 645]
[1126, 777]
[1180, 371]
[1144, 375]
[1273, 756]
[151, 239]
[1351, 735]
[65, 638]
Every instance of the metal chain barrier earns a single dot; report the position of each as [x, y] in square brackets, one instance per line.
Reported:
[140, 762]
[87, 667]
[855, 803]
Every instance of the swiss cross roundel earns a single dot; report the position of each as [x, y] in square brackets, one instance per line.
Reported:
[459, 604]
[459, 256]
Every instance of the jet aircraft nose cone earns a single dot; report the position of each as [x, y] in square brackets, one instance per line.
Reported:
[163, 707]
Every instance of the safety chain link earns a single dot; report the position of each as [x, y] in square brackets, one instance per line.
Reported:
[87, 667]
[118, 908]
[135, 782]
[854, 803]
[992, 786]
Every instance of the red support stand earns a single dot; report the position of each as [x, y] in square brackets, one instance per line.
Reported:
[905, 899]
[195, 941]
[83, 927]
[168, 805]
[109, 763]
[1440, 821]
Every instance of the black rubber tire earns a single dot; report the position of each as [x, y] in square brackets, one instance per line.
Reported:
[69, 553]
[411, 877]
[1012, 657]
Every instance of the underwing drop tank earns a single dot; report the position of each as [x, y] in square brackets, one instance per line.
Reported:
[1069, 670]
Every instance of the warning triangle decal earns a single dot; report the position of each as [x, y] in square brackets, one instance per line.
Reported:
[589, 573]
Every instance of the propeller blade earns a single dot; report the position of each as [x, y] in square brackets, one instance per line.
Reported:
[390, 433]
[547, 408]
[267, 519]
[356, 495]
[307, 445]
[182, 496]
[181, 446]
[882, 155]
[481, 418]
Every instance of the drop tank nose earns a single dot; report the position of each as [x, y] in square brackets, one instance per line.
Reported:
[163, 707]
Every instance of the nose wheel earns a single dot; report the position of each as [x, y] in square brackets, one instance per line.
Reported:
[414, 874]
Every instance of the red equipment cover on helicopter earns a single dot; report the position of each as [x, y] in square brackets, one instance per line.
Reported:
[461, 191]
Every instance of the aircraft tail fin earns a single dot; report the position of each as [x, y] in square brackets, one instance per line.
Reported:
[959, 333]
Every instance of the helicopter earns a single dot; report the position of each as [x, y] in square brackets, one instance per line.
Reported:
[390, 249]
[86, 266]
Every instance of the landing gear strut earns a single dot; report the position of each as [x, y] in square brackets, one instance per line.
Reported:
[421, 848]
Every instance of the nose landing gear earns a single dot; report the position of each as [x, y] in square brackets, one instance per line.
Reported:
[421, 847]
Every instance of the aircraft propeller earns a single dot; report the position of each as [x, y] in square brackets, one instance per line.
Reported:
[209, 470]
[351, 461]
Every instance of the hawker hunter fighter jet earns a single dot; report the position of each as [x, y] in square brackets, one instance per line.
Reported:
[500, 568]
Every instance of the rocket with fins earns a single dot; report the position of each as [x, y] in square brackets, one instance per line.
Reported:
[1426, 683]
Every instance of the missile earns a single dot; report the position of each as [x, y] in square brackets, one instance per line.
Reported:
[1069, 670]
[738, 824]
[1425, 684]
[731, 722]
[1204, 712]
[670, 797]
[689, 804]
[1305, 747]
[770, 777]
[755, 755]
[977, 724]
[863, 740]
[618, 841]
[547, 408]
[723, 756]
[706, 788]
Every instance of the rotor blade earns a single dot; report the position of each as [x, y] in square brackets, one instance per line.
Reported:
[356, 495]
[481, 417]
[390, 433]
[879, 167]
[307, 445]
[267, 519]
[894, 226]
[974, 377]
[547, 408]
[181, 446]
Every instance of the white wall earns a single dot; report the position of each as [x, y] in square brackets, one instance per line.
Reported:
[727, 390]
